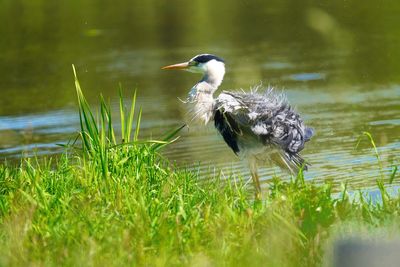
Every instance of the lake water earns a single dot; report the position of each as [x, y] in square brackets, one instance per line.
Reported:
[339, 64]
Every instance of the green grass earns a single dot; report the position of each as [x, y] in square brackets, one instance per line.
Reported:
[115, 201]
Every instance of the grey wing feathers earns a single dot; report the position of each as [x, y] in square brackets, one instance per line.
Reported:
[271, 119]
[228, 128]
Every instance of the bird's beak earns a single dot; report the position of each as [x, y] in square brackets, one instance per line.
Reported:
[179, 66]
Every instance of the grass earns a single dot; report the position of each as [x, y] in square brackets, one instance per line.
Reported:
[116, 201]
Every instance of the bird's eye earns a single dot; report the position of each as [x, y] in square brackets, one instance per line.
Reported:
[193, 63]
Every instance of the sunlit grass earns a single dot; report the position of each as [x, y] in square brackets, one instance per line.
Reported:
[116, 201]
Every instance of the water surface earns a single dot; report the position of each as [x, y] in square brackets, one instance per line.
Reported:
[339, 64]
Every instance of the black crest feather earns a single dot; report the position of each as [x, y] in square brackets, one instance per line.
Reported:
[204, 58]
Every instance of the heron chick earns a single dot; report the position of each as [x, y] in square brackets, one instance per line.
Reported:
[260, 127]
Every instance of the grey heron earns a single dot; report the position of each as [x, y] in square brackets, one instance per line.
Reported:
[258, 126]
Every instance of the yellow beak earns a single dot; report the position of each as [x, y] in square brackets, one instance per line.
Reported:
[179, 66]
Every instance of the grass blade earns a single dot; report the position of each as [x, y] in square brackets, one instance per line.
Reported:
[131, 117]
[122, 115]
[136, 136]
[393, 174]
[372, 142]
[168, 137]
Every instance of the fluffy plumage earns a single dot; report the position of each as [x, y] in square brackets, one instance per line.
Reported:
[261, 124]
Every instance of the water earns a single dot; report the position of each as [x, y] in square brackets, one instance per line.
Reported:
[338, 62]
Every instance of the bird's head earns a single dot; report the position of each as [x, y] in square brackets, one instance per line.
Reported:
[212, 67]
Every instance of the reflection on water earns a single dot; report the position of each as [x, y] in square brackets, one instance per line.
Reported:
[338, 63]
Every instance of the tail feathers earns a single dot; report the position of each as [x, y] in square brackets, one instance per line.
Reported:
[294, 162]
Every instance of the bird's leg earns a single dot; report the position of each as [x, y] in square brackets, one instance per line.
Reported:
[256, 180]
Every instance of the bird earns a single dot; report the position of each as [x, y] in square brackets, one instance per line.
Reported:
[260, 126]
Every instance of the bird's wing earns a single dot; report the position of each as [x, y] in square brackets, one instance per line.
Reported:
[268, 117]
[228, 128]
[227, 119]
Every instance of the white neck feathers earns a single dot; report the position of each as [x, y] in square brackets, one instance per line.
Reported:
[214, 72]
[202, 93]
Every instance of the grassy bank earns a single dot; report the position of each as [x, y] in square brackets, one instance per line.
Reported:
[115, 201]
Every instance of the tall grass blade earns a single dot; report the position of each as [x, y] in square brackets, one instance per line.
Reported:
[106, 116]
[393, 174]
[169, 137]
[371, 140]
[131, 117]
[85, 138]
[122, 115]
[95, 141]
[136, 136]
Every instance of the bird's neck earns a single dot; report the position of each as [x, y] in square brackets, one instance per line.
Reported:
[202, 88]
[202, 93]
[213, 78]
[208, 84]
[201, 96]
